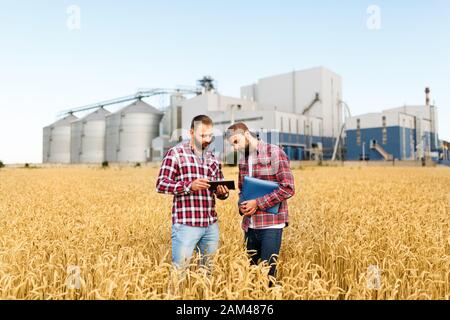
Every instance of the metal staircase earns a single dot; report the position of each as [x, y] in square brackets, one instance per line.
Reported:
[375, 146]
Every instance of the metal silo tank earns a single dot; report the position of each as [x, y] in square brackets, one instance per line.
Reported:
[56, 141]
[130, 132]
[75, 141]
[88, 138]
[112, 136]
[46, 145]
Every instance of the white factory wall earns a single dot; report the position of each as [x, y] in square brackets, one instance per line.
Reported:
[165, 124]
[373, 120]
[293, 92]
[277, 93]
[297, 124]
[331, 97]
[250, 92]
[257, 120]
[436, 120]
[429, 114]
[214, 105]
[425, 126]
[428, 119]
[418, 111]
[169, 120]
[172, 116]
[395, 117]
[160, 145]
[406, 121]
[289, 92]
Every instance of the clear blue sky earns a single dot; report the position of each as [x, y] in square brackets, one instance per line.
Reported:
[125, 45]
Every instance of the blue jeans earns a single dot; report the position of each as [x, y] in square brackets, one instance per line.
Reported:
[186, 239]
[264, 244]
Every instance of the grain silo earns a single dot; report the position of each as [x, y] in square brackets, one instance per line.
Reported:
[130, 131]
[88, 137]
[56, 141]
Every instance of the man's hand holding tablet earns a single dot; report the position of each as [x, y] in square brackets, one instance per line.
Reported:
[227, 184]
[221, 188]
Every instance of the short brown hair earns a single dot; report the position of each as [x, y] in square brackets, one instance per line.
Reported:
[205, 120]
[239, 127]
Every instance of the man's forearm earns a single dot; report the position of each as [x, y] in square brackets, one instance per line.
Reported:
[171, 187]
[275, 197]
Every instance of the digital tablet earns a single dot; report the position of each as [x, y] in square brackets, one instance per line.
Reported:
[228, 183]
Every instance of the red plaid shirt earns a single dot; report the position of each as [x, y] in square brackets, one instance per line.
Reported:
[269, 163]
[180, 167]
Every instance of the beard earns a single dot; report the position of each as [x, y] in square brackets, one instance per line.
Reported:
[201, 146]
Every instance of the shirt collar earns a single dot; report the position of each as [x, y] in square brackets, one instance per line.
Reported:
[260, 150]
[187, 146]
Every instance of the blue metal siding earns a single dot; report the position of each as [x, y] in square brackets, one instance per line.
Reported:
[291, 142]
[300, 153]
[393, 146]
[328, 145]
[426, 139]
[352, 148]
[434, 146]
[290, 152]
[354, 151]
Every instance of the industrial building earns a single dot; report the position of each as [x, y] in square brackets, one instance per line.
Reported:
[305, 108]
[302, 111]
[404, 133]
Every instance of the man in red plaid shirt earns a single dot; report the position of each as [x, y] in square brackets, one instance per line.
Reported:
[185, 172]
[263, 230]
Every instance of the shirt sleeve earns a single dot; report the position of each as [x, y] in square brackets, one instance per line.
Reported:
[220, 173]
[285, 181]
[166, 182]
